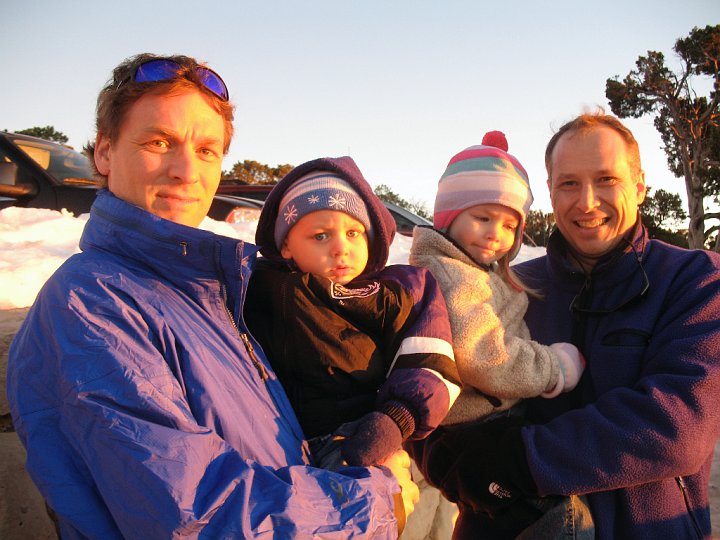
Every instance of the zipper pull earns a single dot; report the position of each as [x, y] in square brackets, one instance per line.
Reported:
[255, 360]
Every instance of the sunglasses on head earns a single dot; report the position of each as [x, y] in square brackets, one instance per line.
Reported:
[161, 69]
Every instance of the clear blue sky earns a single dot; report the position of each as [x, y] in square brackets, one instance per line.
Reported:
[401, 85]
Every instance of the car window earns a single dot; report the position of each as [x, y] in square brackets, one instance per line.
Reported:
[41, 156]
[64, 164]
[13, 182]
[11, 175]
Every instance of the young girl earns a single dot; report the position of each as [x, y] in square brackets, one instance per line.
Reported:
[480, 208]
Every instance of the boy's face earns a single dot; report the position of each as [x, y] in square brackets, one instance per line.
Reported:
[485, 231]
[328, 243]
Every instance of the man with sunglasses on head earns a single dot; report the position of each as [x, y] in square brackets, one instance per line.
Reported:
[638, 433]
[146, 408]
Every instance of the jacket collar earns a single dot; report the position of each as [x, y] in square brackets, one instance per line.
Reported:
[186, 256]
[560, 251]
[615, 280]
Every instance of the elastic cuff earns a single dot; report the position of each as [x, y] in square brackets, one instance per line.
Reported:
[557, 389]
[401, 415]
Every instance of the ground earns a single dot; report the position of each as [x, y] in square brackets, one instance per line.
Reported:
[22, 511]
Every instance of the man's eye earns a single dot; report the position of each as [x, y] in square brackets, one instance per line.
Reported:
[159, 143]
[353, 234]
[320, 236]
[209, 153]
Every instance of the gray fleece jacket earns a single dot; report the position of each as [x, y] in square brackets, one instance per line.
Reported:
[497, 361]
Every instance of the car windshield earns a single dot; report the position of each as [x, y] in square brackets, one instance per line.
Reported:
[61, 162]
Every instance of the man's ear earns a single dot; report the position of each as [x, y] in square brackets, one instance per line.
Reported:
[102, 154]
[641, 188]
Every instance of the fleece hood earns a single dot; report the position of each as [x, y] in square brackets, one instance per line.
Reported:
[383, 224]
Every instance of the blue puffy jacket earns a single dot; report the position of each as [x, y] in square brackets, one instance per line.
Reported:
[638, 433]
[146, 409]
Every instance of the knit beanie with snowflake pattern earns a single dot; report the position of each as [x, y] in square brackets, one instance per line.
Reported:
[328, 183]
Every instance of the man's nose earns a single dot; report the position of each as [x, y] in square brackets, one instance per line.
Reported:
[587, 199]
[184, 165]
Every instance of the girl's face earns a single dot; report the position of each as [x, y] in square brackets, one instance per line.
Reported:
[485, 231]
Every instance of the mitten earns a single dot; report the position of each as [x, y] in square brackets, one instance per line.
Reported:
[480, 465]
[374, 437]
[572, 365]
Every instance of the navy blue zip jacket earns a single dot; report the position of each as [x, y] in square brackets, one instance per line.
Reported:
[638, 433]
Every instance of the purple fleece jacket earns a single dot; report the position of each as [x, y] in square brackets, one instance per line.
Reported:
[638, 433]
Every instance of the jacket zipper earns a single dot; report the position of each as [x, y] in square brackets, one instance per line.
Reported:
[248, 346]
[683, 489]
[255, 360]
[579, 319]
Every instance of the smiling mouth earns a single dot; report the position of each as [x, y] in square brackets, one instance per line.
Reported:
[591, 223]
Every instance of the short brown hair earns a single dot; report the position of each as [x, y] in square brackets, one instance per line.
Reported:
[590, 121]
[121, 92]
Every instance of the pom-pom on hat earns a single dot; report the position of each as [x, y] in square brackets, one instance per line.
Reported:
[319, 190]
[483, 174]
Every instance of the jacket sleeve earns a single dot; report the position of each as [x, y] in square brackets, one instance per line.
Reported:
[422, 373]
[494, 355]
[109, 443]
[657, 379]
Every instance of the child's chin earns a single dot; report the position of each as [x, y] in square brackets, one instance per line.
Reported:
[343, 278]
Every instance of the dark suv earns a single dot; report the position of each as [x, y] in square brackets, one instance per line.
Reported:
[36, 173]
[41, 174]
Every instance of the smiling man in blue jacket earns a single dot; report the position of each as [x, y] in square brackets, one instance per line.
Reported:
[637, 434]
[146, 409]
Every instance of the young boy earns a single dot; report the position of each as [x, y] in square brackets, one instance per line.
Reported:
[355, 344]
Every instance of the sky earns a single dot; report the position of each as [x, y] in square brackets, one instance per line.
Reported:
[400, 85]
[35, 242]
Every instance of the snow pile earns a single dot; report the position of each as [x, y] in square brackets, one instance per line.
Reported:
[35, 242]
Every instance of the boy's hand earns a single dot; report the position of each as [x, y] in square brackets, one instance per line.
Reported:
[370, 440]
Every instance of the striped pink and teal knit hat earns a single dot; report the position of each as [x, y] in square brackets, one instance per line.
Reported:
[483, 174]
